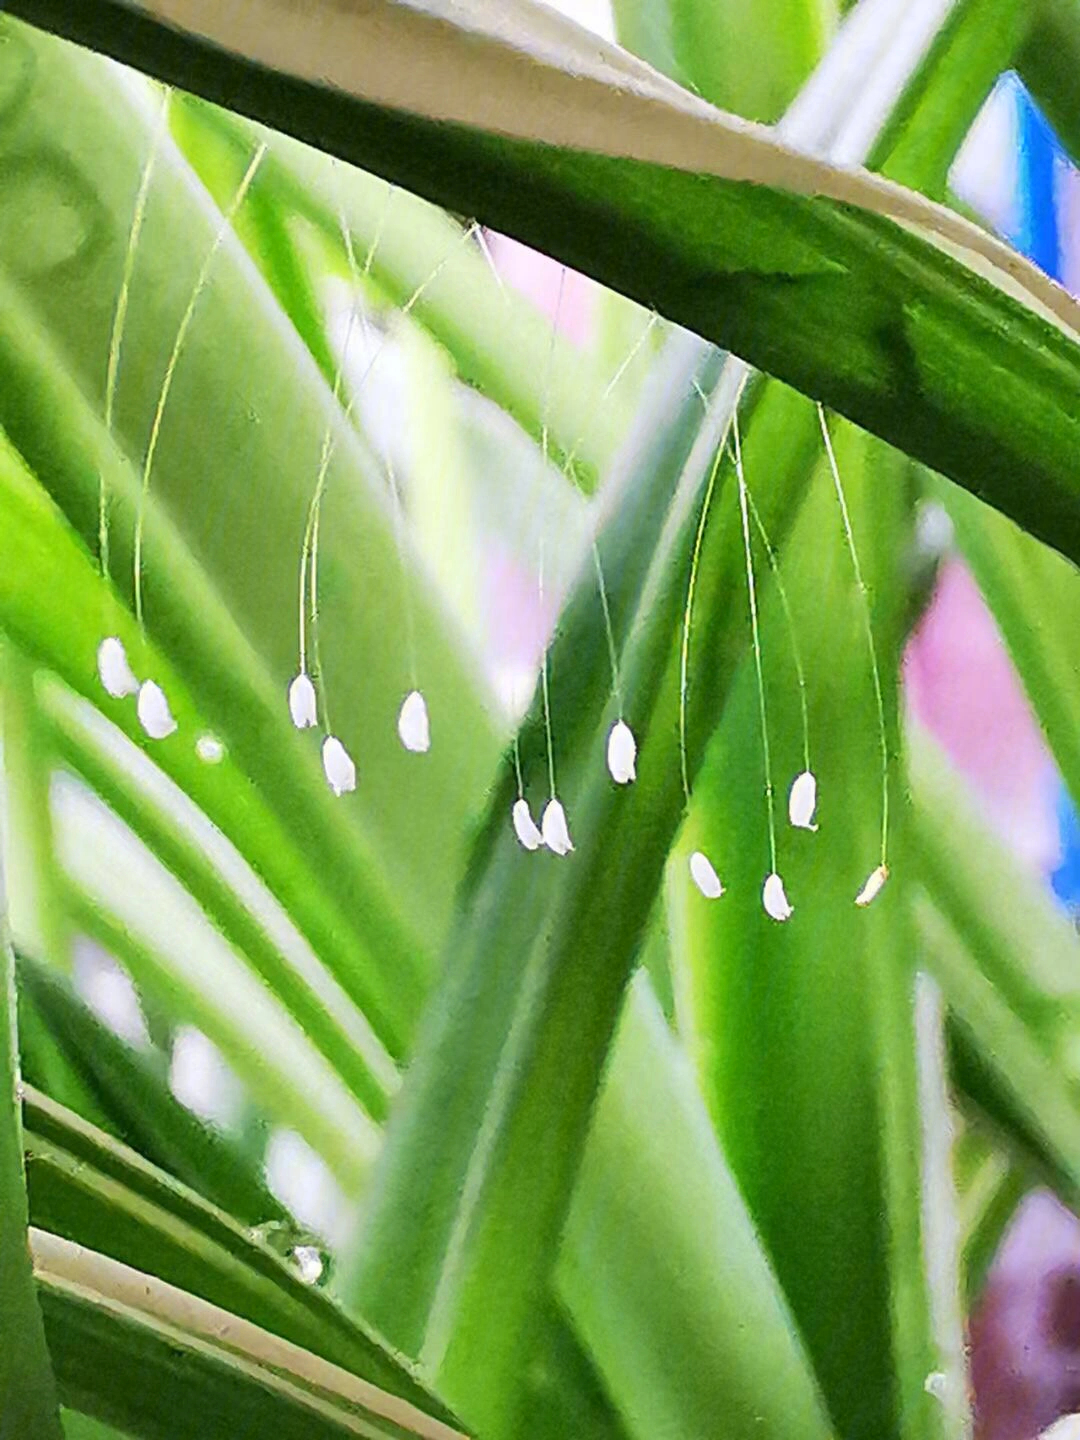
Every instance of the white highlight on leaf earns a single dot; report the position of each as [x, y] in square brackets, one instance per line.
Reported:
[705, 876]
[154, 714]
[338, 765]
[110, 993]
[553, 828]
[209, 749]
[203, 1081]
[525, 827]
[775, 901]
[302, 704]
[873, 887]
[802, 801]
[113, 669]
[621, 753]
[413, 726]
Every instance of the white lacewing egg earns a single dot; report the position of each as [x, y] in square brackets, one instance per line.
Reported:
[338, 766]
[873, 886]
[414, 729]
[302, 704]
[153, 709]
[775, 900]
[115, 673]
[554, 830]
[802, 801]
[704, 876]
[622, 753]
[525, 827]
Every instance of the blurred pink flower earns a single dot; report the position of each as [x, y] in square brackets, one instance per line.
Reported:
[960, 683]
[518, 626]
[1025, 1332]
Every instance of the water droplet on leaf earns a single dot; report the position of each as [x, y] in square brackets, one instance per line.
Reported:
[302, 1248]
[312, 1263]
[210, 749]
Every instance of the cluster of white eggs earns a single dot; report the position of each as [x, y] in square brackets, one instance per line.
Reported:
[152, 705]
[414, 732]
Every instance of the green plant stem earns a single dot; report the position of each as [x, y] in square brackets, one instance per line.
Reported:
[28, 1404]
[36, 912]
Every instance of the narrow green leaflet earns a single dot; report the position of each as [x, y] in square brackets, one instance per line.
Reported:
[160, 920]
[27, 1390]
[133, 1096]
[988, 1208]
[137, 1352]
[663, 1274]
[1047, 64]
[438, 1198]
[97, 1193]
[508, 112]
[974, 880]
[704, 45]
[979, 40]
[1006, 959]
[829, 1160]
[36, 914]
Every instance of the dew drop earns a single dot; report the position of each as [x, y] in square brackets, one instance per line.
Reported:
[303, 1249]
[312, 1263]
[209, 749]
